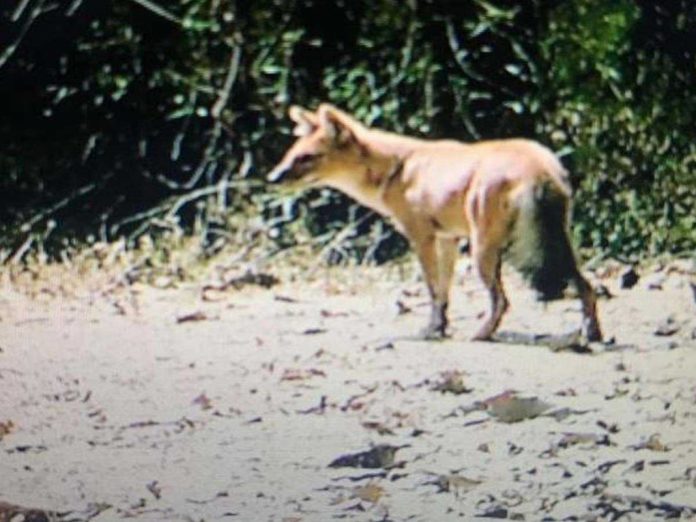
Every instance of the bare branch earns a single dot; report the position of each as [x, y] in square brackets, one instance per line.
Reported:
[16, 258]
[74, 6]
[19, 10]
[338, 239]
[458, 54]
[159, 11]
[35, 13]
[26, 227]
[148, 214]
[202, 192]
[224, 93]
[166, 212]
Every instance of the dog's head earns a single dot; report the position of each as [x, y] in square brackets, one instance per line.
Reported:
[326, 148]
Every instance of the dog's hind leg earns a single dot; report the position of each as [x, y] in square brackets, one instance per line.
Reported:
[487, 259]
[590, 324]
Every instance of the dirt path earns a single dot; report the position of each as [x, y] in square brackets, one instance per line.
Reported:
[112, 409]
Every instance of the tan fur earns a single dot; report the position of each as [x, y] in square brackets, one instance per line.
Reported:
[435, 192]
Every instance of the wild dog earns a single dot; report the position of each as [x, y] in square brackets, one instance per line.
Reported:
[507, 196]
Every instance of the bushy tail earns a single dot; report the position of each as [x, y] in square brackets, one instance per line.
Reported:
[540, 248]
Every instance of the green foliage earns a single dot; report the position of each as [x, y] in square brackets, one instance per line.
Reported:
[586, 42]
[126, 117]
[623, 110]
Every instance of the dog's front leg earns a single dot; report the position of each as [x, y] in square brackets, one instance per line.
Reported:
[437, 258]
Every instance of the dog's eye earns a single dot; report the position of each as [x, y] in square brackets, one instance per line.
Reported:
[306, 158]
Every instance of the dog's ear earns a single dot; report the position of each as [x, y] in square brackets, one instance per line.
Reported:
[334, 125]
[306, 121]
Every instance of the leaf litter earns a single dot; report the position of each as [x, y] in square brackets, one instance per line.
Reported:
[508, 407]
[453, 483]
[380, 456]
[452, 382]
[581, 452]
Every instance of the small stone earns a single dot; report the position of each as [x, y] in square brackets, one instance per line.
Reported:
[628, 278]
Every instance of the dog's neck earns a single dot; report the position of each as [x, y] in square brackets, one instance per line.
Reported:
[370, 187]
[389, 176]
[384, 143]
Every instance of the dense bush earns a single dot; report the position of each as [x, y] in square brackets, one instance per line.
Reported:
[124, 117]
[625, 81]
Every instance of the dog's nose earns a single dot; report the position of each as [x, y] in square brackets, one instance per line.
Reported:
[277, 174]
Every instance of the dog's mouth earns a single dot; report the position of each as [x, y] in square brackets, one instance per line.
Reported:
[280, 174]
[291, 178]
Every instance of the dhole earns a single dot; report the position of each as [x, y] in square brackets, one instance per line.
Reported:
[508, 196]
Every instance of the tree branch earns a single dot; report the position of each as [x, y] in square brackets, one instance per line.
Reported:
[19, 10]
[35, 13]
[159, 11]
[224, 93]
[27, 226]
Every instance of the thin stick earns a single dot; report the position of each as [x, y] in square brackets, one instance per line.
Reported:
[19, 10]
[54, 208]
[224, 93]
[10, 50]
[159, 11]
[338, 239]
[22, 250]
[113, 230]
[199, 193]
[73, 7]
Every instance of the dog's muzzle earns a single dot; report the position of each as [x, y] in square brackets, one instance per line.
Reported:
[278, 174]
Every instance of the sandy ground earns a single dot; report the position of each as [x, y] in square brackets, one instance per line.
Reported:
[162, 405]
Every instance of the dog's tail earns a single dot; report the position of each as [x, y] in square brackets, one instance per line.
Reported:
[540, 247]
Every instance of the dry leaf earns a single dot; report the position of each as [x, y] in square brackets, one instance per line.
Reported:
[328, 314]
[653, 444]
[572, 439]
[153, 487]
[203, 401]
[667, 328]
[191, 317]
[379, 427]
[301, 374]
[284, 299]
[13, 513]
[402, 308]
[370, 493]
[381, 456]
[454, 483]
[510, 408]
[314, 331]
[6, 428]
[452, 382]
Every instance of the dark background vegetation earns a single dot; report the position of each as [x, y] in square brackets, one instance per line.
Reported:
[124, 118]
